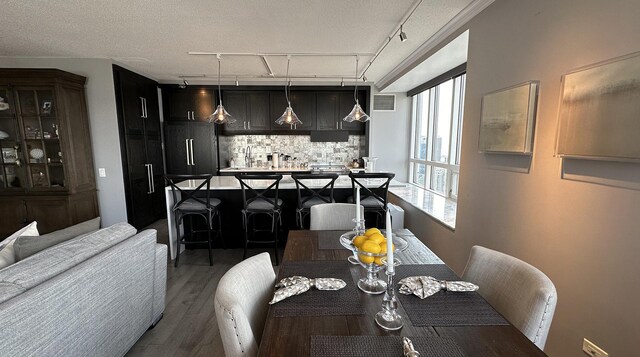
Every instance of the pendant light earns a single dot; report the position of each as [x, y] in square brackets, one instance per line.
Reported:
[289, 117]
[220, 116]
[357, 114]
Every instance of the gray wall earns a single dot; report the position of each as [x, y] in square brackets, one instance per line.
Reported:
[584, 236]
[388, 135]
[101, 104]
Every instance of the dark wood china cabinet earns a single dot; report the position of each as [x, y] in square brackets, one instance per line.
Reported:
[46, 168]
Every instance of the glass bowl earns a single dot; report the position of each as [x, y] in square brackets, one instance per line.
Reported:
[371, 284]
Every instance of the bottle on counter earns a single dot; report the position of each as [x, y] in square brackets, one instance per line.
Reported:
[275, 159]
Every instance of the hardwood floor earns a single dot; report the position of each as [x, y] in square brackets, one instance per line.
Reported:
[189, 326]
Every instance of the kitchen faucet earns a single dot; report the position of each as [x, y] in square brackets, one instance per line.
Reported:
[247, 157]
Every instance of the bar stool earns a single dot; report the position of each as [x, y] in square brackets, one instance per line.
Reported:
[308, 197]
[261, 201]
[373, 199]
[194, 202]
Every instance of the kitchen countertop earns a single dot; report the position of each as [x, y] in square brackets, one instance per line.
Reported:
[263, 169]
[231, 183]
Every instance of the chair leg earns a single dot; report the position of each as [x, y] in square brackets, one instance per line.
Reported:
[245, 220]
[175, 263]
[275, 235]
[209, 238]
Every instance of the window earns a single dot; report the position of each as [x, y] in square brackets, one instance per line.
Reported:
[437, 127]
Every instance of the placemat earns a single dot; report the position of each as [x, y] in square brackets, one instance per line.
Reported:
[445, 308]
[346, 301]
[329, 241]
[383, 346]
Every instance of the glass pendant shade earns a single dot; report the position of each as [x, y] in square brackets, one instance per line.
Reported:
[220, 116]
[356, 114]
[289, 117]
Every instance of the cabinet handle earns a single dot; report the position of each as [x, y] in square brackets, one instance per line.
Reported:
[186, 142]
[141, 107]
[193, 115]
[340, 125]
[244, 124]
[153, 180]
[337, 125]
[148, 166]
[146, 112]
[191, 144]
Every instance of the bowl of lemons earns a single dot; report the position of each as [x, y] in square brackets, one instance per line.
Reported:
[370, 251]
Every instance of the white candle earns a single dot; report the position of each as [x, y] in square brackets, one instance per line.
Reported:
[357, 204]
[390, 267]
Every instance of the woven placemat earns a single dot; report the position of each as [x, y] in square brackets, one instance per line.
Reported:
[383, 346]
[346, 301]
[329, 241]
[445, 308]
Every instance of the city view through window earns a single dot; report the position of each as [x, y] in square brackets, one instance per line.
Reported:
[437, 127]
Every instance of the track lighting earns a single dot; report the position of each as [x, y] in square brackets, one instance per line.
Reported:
[237, 83]
[342, 83]
[403, 36]
[364, 79]
[185, 82]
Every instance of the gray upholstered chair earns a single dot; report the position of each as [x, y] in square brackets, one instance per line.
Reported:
[521, 293]
[333, 216]
[241, 304]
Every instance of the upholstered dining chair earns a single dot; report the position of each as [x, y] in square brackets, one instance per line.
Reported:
[520, 292]
[241, 304]
[333, 216]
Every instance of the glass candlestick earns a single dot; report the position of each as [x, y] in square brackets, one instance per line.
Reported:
[359, 226]
[388, 318]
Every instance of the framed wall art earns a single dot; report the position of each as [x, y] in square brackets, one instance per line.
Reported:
[599, 114]
[508, 119]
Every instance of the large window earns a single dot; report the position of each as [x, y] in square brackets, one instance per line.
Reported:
[435, 145]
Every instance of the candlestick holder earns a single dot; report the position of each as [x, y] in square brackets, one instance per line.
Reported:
[388, 318]
[359, 226]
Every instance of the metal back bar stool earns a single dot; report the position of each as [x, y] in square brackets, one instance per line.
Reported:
[308, 197]
[194, 202]
[373, 199]
[260, 201]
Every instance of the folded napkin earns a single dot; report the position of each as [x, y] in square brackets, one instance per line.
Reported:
[296, 285]
[425, 286]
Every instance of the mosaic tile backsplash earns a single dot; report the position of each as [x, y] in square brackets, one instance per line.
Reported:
[298, 146]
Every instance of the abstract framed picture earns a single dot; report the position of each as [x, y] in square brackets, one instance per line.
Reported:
[599, 113]
[508, 119]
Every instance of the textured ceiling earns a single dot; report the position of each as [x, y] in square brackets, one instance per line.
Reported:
[154, 37]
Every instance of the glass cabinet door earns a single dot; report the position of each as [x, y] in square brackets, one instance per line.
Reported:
[40, 152]
[12, 175]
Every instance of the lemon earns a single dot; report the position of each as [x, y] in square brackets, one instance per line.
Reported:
[371, 231]
[383, 248]
[365, 259]
[376, 238]
[378, 261]
[357, 241]
[370, 247]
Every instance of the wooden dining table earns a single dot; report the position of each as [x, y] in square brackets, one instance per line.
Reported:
[291, 335]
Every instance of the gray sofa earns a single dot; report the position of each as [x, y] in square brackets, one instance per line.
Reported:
[93, 295]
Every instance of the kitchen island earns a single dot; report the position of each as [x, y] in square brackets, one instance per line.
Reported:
[227, 189]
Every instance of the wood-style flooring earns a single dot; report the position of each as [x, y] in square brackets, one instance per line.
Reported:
[189, 326]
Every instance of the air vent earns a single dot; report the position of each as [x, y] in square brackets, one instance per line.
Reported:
[384, 102]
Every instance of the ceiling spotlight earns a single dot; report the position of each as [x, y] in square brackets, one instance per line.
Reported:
[237, 83]
[403, 36]
[342, 83]
[185, 82]
[364, 79]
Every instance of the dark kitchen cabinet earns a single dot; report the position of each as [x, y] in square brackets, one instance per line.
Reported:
[332, 107]
[141, 146]
[188, 104]
[250, 109]
[190, 148]
[46, 167]
[303, 104]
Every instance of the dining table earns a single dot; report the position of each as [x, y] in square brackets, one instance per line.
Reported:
[341, 323]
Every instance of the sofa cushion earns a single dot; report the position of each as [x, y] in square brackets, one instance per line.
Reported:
[7, 255]
[41, 267]
[26, 246]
